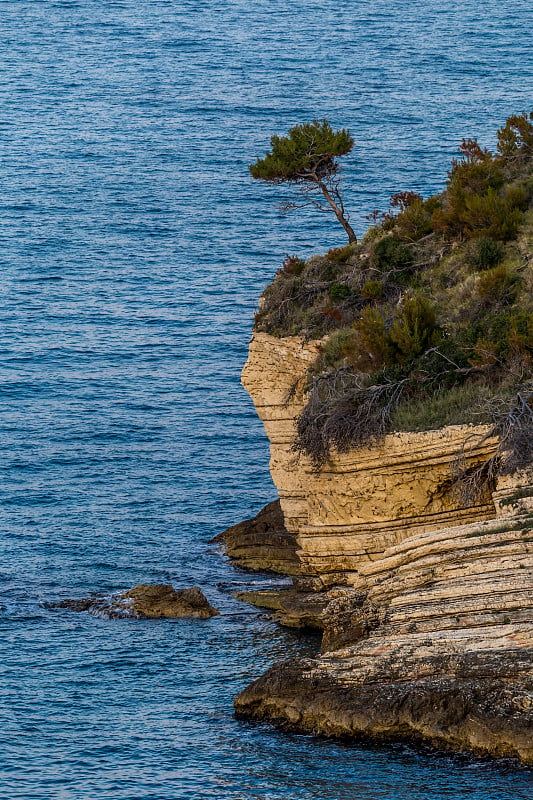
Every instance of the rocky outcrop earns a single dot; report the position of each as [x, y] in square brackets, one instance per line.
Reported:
[262, 543]
[293, 609]
[364, 501]
[146, 601]
[438, 645]
[485, 715]
[426, 605]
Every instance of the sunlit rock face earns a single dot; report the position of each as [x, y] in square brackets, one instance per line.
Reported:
[426, 605]
[363, 501]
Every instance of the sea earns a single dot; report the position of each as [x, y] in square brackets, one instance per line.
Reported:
[134, 248]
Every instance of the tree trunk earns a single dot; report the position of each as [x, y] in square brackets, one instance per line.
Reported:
[338, 212]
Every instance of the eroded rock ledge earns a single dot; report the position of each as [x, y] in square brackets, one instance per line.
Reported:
[439, 646]
[426, 605]
[485, 715]
[262, 543]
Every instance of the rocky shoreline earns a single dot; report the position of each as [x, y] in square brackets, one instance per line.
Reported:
[455, 676]
[484, 715]
[425, 605]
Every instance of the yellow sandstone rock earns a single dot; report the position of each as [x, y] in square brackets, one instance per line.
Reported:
[427, 605]
[363, 501]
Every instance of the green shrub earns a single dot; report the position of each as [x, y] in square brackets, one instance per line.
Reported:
[494, 329]
[488, 214]
[416, 220]
[374, 232]
[341, 344]
[374, 349]
[415, 329]
[383, 343]
[322, 269]
[518, 195]
[505, 334]
[515, 138]
[483, 253]
[292, 265]
[339, 291]
[475, 176]
[372, 290]
[520, 336]
[498, 285]
[474, 201]
[341, 254]
[390, 254]
[498, 217]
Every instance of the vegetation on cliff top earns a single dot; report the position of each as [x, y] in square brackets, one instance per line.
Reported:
[428, 320]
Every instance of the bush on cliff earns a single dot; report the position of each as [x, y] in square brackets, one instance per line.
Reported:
[430, 315]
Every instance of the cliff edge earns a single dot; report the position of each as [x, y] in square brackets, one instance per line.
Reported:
[407, 527]
[425, 602]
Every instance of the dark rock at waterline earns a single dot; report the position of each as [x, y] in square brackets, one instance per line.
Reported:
[262, 543]
[486, 707]
[293, 609]
[84, 604]
[162, 600]
[146, 601]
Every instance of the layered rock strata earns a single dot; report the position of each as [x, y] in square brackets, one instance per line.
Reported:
[363, 501]
[426, 606]
[293, 609]
[262, 543]
[435, 643]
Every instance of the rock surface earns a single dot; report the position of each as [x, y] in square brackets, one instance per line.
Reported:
[485, 714]
[262, 543]
[147, 601]
[364, 501]
[426, 606]
[438, 647]
[293, 609]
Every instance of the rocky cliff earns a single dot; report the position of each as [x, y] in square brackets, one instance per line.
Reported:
[425, 603]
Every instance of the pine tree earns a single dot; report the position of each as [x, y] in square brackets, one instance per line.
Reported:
[306, 158]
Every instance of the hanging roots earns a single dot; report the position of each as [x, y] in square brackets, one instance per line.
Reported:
[514, 428]
[342, 413]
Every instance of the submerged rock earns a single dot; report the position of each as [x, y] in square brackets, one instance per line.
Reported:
[146, 601]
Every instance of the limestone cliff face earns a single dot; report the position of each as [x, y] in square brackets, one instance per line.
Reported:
[426, 606]
[361, 502]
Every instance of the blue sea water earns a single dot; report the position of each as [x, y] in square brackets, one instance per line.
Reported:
[134, 247]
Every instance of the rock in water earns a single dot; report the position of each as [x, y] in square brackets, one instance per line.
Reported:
[147, 601]
[483, 713]
[162, 600]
